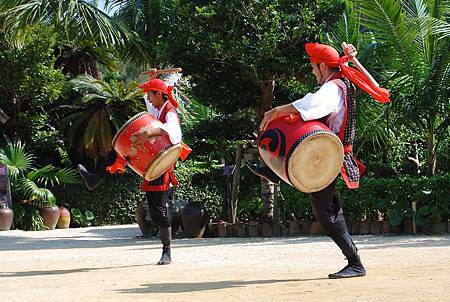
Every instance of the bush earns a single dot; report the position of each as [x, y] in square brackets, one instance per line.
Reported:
[201, 184]
[113, 203]
[388, 197]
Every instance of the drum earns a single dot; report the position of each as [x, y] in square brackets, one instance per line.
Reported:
[306, 155]
[154, 157]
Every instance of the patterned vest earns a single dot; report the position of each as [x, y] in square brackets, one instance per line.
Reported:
[351, 169]
[163, 182]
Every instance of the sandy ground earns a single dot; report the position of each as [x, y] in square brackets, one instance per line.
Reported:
[110, 264]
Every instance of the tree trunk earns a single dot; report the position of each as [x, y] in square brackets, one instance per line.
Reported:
[266, 88]
[268, 197]
[267, 188]
[235, 186]
[431, 148]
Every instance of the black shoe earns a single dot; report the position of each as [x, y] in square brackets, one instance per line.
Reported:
[165, 258]
[353, 269]
[91, 180]
[264, 172]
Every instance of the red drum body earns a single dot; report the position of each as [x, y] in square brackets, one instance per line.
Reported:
[306, 155]
[154, 157]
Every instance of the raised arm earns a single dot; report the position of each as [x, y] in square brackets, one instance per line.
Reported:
[350, 50]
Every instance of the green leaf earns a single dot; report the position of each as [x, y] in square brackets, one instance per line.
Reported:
[89, 215]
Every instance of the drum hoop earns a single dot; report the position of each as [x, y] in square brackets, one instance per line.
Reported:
[301, 139]
[156, 157]
[127, 123]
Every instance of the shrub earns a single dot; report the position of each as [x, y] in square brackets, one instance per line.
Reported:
[113, 203]
[201, 184]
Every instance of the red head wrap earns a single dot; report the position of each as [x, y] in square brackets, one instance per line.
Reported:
[320, 53]
[159, 85]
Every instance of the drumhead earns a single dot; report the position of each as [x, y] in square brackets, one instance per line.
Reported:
[315, 162]
[165, 159]
[124, 126]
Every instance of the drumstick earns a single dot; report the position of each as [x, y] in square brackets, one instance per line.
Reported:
[154, 72]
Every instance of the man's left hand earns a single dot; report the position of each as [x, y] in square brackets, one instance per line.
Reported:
[268, 117]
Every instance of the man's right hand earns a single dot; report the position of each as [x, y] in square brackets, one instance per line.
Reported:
[349, 50]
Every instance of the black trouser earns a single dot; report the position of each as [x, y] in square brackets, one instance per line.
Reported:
[157, 204]
[328, 211]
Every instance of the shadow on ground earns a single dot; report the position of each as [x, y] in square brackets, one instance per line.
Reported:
[173, 288]
[113, 236]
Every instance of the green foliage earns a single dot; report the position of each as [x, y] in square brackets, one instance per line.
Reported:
[29, 87]
[415, 34]
[390, 198]
[201, 183]
[26, 180]
[30, 185]
[27, 218]
[82, 218]
[97, 114]
[113, 203]
[292, 201]
[73, 19]
[232, 47]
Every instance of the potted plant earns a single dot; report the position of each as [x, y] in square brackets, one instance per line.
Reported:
[29, 185]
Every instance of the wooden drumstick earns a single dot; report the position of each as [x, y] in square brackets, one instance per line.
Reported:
[154, 72]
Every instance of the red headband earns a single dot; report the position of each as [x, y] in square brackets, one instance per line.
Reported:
[159, 85]
[320, 53]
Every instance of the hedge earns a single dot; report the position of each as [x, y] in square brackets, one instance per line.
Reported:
[112, 203]
[390, 198]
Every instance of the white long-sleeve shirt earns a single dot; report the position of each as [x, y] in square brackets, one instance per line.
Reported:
[327, 101]
[172, 124]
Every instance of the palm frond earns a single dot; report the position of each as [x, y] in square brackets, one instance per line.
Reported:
[76, 18]
[15, 157]
[49, 175]
[390, 26]
[36, 195]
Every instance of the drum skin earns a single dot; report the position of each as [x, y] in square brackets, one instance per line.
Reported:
[305, 154]
[154, 157]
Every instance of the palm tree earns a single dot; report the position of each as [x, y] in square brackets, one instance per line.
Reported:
[149, 19]
[102, 109]
[29, 184]
[370, 126]
[83, 29]
[415, 36]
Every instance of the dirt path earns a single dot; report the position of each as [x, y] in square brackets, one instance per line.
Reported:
[110, 264]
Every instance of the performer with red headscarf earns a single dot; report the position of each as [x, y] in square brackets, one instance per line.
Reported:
[161, 104]
[335, 105]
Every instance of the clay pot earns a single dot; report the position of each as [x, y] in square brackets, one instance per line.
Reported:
[267, 229]
[252, 228]
[355, 227]
[239, 229]
[50, 215]
[386, 227]
[306, 227]
[364, 227]
[64, 218]
[294, 228]
[408, 225]
[376, 227]
[315, 229]
[221, 228]
[143, 223]
[195, 218]
[6, 218]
